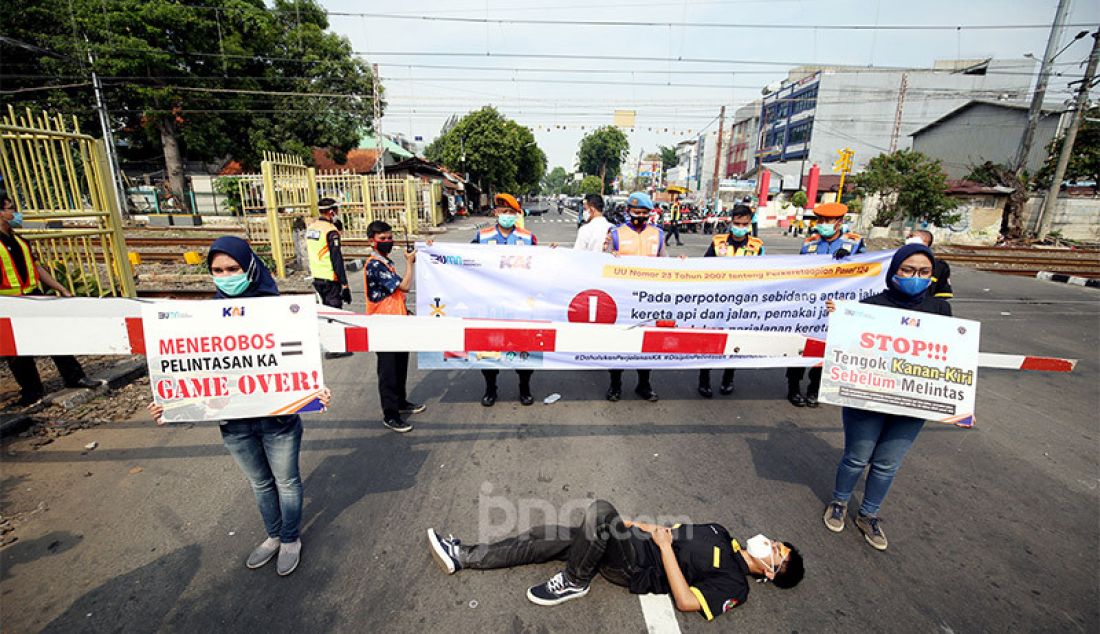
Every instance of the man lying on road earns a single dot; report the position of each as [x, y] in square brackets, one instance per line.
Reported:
[700, 565]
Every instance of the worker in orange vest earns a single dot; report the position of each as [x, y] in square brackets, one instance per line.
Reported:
[636, 236]
[386, 296]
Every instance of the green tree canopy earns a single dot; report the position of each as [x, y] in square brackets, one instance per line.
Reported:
[910, 185]
[500, 155]
[1084, 162]
[602, 153]
[590, 185]
[554, 180]
[199, 80]
[668, 157]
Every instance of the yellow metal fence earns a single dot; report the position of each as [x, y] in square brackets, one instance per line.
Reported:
[60, 181]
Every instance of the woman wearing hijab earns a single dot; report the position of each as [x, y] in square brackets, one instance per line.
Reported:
[874, 438]
[265, 448]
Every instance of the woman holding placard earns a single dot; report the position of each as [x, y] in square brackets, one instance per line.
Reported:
[265, 448]
[873, 438]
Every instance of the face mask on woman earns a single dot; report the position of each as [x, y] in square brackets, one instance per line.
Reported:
[17, 219]
[912, 286]
[232, 284]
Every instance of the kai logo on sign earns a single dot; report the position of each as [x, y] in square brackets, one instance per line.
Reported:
[233, 311]
[910, 321]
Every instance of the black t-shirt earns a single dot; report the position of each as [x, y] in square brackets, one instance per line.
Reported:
[941, 280]
[16, 252]
[708, 557]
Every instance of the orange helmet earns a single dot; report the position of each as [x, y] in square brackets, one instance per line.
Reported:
[831, 210]
[507, 200]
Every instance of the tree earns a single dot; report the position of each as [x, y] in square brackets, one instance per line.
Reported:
[500, 154]
[201, 80]
[668, 157]
[999, 175]
[1084, 162]
[602, 153]
[910, 185]
[799, 199]
[554, 180]
[590, 185]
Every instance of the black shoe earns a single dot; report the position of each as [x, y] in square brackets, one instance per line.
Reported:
[526, 399]
[86, 383]
[489, 399]
[29, 399]
[795, 397]
[679, 244]
[646, 394]
[445, 552]
[338, 355]
[614, 394]
[704, 391]
[558, 590]
[397, 424]
[811, 399]
[412, 408]
[726, 389]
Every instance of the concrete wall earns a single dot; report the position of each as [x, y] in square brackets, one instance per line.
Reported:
[979, 222]
[984, 132]
[1074, 218]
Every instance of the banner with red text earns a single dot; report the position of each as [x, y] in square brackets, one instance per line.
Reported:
[901, 362]
[229, 359]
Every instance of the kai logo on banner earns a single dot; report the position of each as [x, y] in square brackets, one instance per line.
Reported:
[233, 311]
[910, 321]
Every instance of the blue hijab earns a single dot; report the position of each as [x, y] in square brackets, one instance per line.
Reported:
[260, 281]
[892, 290]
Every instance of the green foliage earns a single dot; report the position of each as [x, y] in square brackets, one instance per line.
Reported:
[1084, 162]
[76, 279]
[501, 155]
[910, 185]
[994, 174]
[799, 199]
[554, 181]
[157, 83]
[589, 185]
[229, 187]
[668, 157]
[602, 153]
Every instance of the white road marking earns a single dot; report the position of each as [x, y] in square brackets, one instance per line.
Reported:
[659, 615]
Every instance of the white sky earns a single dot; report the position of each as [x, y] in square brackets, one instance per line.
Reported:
[567, 93]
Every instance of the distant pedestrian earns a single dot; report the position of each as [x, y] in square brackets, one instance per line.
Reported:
[265, 448]
[675, 214]
[592, 235]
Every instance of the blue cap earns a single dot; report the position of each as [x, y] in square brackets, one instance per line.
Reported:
[639, 199]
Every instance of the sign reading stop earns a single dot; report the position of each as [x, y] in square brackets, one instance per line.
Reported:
[593, 307]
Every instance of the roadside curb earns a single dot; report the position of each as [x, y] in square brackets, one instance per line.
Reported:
[1068, 279]
[115, 377]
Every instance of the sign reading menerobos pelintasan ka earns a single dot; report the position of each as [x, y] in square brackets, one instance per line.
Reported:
[229, 359]
[901, 362]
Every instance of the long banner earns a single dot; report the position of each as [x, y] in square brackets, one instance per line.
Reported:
[768, 293]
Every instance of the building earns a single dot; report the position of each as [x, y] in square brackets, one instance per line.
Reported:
[983, 130]
[818, 110]
[686, 165]
[744, 137]
[708, 153]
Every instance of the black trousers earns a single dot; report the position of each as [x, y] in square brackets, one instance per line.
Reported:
[601, 544]
[524, 380]
[393, 370]
[794, 376]
[30, 384]
[704, 377]
[330, 292]
[754, 229]
[673, 230]
[617, 379]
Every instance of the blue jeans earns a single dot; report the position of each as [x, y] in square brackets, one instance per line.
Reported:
[879, 439]
[267, 451]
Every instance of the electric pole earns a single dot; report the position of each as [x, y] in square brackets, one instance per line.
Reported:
[380, 163]
[1046, 212]
[1035, 110]
[108, 137]
[718, 153]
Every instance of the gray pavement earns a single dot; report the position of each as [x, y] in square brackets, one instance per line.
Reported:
[992, 529]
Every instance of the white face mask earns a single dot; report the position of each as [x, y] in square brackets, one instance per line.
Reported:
[585, 215]
[914, 240]
[759, 546]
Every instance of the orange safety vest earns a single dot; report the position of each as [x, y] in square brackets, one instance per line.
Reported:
[10, 281]
[393, 304]
[721, 246]
[646, 242]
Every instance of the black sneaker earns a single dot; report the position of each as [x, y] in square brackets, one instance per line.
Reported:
[726, 389]
[646, 394]
[795, 397]
[811, 399]
[397, 424]
[526, 399]
[29, 399]
[558, 590]
[412, 408]
[87, 383]
[705, 391]
[614, 394]
[445, 552]
[489, 399]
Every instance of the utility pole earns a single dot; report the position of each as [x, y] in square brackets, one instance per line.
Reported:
[380, 164]
[718, 153]
[1034, 111]
[1046, 212]
[897, 113]
[108, 138]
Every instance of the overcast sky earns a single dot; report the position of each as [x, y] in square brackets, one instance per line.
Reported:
[556, 97]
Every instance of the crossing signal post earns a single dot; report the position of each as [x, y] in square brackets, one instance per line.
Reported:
[844, 166]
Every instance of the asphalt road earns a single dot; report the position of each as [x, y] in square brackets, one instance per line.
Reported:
[991, 529]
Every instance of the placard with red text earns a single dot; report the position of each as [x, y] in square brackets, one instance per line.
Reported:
[236, 358]
[901, 362]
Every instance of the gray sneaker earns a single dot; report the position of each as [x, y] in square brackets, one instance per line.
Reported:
[872, 531]
[262, 555]
[834, 516]
[289, 556]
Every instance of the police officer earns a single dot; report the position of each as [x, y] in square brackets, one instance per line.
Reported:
[21, 275]
[826, 240]
[736, 243]
[636, 236]
[675, 214]
[508, 212]
[326, 261]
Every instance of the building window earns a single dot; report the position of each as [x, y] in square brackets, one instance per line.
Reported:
[800, 132]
